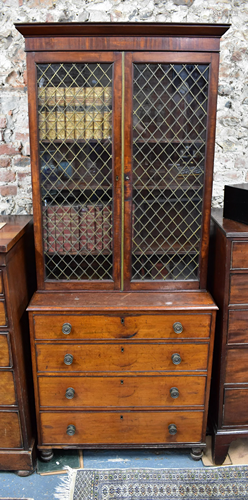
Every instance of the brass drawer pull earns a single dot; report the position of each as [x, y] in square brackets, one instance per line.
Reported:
[176, 359]
[178, 327]
[71, 429]
[66, 328]
[174, 392]
[172, 429]
[70, 393]
[68, 359]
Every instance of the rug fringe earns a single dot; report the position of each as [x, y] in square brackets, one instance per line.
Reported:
[65, 488]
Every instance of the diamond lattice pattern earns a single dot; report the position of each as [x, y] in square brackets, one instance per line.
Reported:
[75, 132]
[169, 133]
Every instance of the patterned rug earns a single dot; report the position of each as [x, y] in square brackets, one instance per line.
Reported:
[215, 483]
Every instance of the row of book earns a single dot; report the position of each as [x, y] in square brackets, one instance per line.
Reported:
[75, 125]
[75, 96]
[77, 229]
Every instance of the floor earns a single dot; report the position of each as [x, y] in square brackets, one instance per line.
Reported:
[39, 487]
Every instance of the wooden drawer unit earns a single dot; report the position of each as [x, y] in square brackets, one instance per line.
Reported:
[121, 391]
[116, 368]
[145, 327]
[135, 428]
[17, 283]
[121, 357]
[228, 280]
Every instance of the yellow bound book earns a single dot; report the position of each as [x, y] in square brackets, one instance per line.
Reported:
[70, 124]
[79, 125]
[42, 125]
[60, 125]
[51, 125]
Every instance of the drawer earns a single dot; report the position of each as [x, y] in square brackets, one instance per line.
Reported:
[239, 255]
[239, 289]
[122, 391]
[236, 407]
[10, 433]
[238, 327]
[5, 356]
[125, 357]
[122, 326]
[7, 389]
[3, 317]
[121, 427]
[237, 366]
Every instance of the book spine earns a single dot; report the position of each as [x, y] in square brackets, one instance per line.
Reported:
[106, 226]
[67, 228]
[83, 228]
[51, 225]
[91, 227]
[74, 229]
[98, 225]
[60, 229]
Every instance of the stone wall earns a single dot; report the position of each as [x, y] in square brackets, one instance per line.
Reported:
[231, 155]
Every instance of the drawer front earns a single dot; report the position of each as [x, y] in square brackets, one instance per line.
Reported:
[10, 433]
[236, 407]
[124, 357]
[5, 357]
[239, 255]
[7, 389]
[238, 327]
[3, 317]
[237, 366]
[122, 391]
[239, 289]
[122, 326]
[121, 428]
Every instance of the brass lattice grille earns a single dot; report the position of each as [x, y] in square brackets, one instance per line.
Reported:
[75, 132]
[169, 133]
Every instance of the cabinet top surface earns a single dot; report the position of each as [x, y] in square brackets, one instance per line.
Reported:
[118, 29]
[111, 301]
[13, 230]
[231, 228]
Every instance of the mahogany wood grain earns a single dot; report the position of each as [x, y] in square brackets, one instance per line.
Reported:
[7, 389]
[10, 432]
[123, 356]
[239, 289]
[237, 326]
[236, 366]
[1, 283]
[122, 326]
[124, 428]
[5, 357]
[121, 391]
[3, 319]
[236, 407]
[18, 460]
[239, 255]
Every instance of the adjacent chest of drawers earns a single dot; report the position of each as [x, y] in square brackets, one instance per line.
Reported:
[16, 287]
[116, 370]
[229, 286]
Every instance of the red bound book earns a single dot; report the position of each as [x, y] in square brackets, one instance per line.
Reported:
[83, 228]
[106, 227]
[60, 229]
[67, 228]
[90, 219]
[44, 225]
[74, 229]
[51, 228]
[98, 226]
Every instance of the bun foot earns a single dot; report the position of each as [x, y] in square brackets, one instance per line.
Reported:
[24, 473]
[196, 453]
[46, 455]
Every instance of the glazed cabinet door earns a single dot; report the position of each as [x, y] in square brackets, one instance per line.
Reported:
[170, 102]
[76, 168]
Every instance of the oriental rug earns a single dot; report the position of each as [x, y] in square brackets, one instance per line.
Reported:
[217, 483]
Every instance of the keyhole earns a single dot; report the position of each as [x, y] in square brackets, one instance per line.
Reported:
[121, 417]
[122, 349]
[122, 321]
[122, 382]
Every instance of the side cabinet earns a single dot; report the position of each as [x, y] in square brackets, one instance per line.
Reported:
[17, 283]
[229, 286]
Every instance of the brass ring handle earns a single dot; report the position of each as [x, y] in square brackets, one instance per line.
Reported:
[71, 429]
[172, 429]
[68, 359]
[70, 393]
[176, 358]
[178, 327]
[174, 392]
[66, 328]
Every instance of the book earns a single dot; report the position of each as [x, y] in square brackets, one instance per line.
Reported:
[67, 228]
[42, 125]
[98, 227]
[90, 220]
[107, 227]
[79, 125]
[83, 228]
[74, 229]
[107, 125]
[69, 124]
[51, 229]
[60, 125]
[51, 126]
[60, 229]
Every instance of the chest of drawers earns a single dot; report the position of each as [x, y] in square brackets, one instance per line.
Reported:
[17, 275]
[122, 370]
[229, 286]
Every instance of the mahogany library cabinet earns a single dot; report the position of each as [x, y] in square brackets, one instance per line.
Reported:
[228, 282]
[122, 130]
[17, 284]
